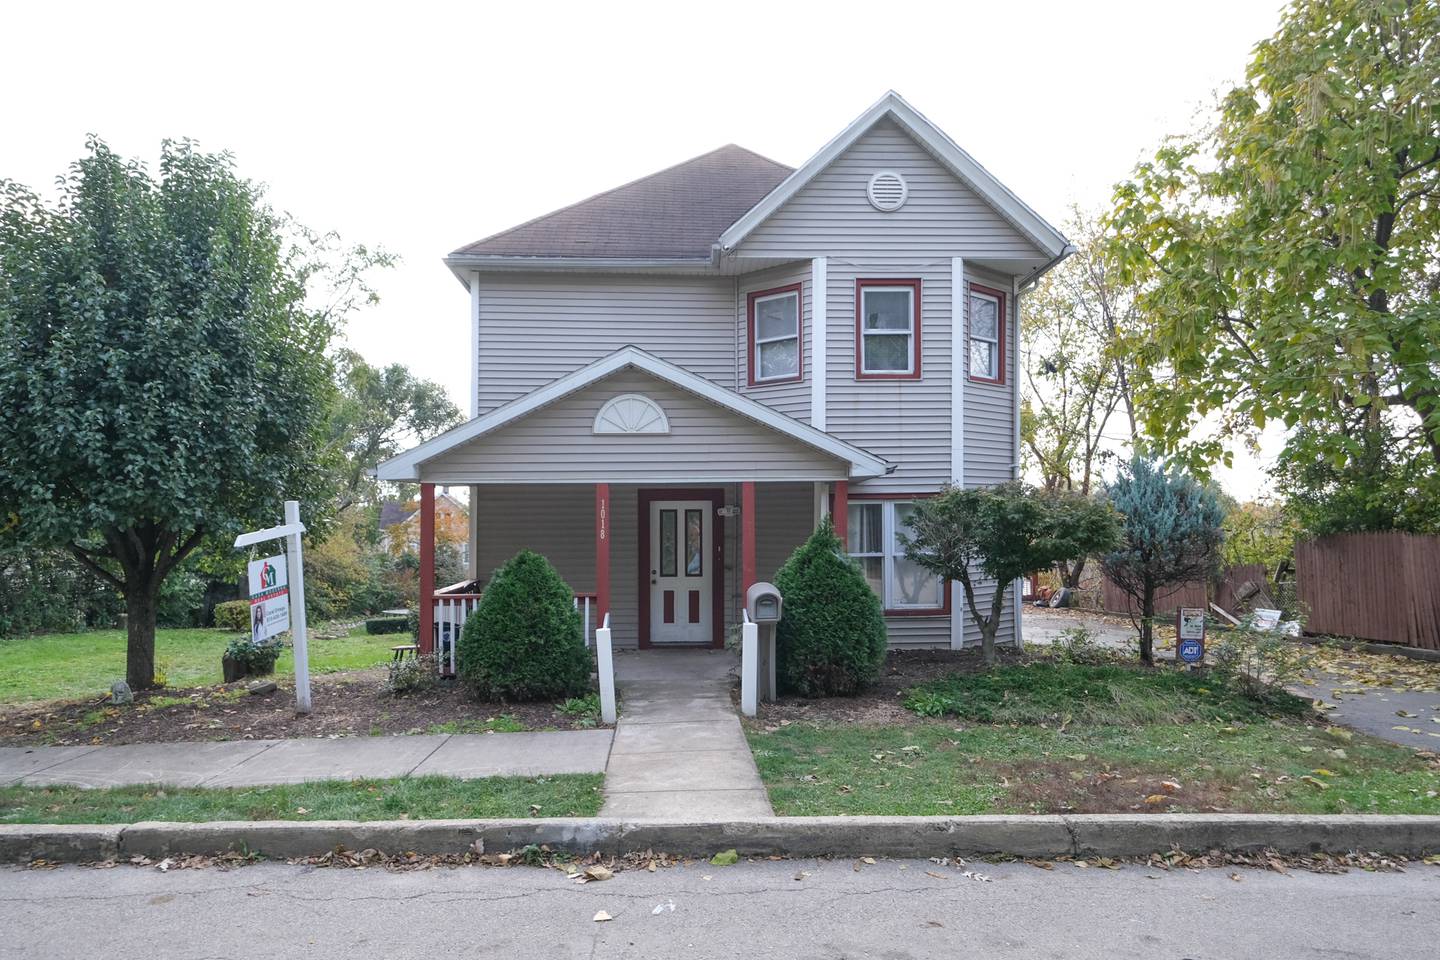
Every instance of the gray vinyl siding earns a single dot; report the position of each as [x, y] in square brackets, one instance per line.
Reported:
[556, 444]
[792, 399]
[784, 519]
[905, 421]
[537, 327]
[990, 407]
[832, 215]
[556, 521]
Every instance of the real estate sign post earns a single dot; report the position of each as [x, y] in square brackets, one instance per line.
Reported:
[271, 590]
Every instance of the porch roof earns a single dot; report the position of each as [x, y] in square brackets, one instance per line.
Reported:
[718, 416]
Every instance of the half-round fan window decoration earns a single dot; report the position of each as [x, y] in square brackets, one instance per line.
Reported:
[631, 413]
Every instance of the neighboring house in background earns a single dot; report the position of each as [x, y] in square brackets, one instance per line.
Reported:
[400, 525]
[675, 380]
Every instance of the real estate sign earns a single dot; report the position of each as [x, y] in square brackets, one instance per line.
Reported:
[269, 597]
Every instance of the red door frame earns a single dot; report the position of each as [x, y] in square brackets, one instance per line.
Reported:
[716, 496]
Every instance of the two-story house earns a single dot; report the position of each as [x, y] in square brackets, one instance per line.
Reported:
[675, 380]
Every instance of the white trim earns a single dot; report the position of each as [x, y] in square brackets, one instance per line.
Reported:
[474, 344]
[756, 341]
[997, 362]
[819, 280]
[961, 164]
[1014, 351]
[958, 378]
[821, 491]
[875, 202]
[406, 466]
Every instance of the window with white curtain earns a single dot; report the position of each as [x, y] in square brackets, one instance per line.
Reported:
[873, 539]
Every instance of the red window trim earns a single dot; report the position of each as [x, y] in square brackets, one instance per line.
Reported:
[751, 349]
[945, 608]
[914, 285]
[1000, 329]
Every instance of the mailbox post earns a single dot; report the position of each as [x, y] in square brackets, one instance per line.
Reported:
[763, 605]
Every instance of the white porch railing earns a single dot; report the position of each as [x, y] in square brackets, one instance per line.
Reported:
[452, 609]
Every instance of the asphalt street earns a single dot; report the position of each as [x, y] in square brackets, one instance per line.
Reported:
[786, 909]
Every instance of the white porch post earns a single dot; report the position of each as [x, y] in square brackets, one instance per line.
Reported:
[959, 359]
[1014, 352]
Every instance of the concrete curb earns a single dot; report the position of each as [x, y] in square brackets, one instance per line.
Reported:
[1021, 836]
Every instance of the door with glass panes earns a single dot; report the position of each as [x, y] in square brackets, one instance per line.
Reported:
[681, 569]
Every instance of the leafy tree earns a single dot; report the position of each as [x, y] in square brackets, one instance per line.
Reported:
[1290, 251]
[162, 369]
[524, 641]
[831, 640]
[1001, 533]
[378, 412]
[1075, 377]
[1259, 532]
[1172, 535]
[1384, 486]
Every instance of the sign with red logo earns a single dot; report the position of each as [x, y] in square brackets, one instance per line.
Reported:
[269, 597]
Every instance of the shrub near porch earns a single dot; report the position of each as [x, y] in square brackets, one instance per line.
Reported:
[1068, 738]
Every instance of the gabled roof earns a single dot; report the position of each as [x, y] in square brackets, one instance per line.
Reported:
[406, 467]
[675, 214]
[932, 138]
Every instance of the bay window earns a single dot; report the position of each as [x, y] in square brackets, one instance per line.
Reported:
[887, 329]
[775, 335]
[873, 533]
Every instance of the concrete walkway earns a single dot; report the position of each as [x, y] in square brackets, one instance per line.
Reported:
[679, 751]
[245, 763]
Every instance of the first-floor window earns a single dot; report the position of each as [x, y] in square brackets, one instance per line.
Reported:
[873, 534]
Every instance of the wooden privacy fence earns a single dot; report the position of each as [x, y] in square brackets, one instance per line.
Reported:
[1375, 586]
[1198, 593]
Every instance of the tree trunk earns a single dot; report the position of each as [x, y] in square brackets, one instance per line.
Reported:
[140, 604]
[1147, 627]
[1070, 576]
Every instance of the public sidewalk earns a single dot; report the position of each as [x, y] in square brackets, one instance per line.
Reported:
[247, 763]
[679, 750]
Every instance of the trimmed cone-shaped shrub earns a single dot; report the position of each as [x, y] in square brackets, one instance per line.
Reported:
[831, 637]
[524, 640]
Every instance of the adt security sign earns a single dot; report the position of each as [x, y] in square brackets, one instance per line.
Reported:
[269, 597]
[1190, 634]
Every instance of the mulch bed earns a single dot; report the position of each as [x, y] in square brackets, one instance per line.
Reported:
[348, 704]
[882, 703]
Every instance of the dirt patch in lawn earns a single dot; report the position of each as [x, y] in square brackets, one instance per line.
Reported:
[348, 704]
[1047, 787]
[883, 702]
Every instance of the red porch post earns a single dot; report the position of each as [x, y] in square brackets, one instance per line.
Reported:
[602, 552]
[747, 535]
[427, 568]
[840, 511]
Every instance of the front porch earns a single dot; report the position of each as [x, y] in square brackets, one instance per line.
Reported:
[659, 497]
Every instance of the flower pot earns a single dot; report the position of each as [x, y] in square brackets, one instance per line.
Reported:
[232, 669]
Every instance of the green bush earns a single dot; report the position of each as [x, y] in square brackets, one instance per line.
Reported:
[233, 615]
[831, 639]
[524, 640]
[257, 658]
[386, 625]
[412, 675]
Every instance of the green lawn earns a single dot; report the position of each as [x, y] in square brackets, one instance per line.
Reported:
[418, 798]
[63, 665]
[935, 768]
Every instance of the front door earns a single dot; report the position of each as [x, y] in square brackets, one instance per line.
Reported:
[681, 568]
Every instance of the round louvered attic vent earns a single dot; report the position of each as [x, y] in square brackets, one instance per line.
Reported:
[887, 191]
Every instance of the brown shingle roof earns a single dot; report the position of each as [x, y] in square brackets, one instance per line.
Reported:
[679, 212]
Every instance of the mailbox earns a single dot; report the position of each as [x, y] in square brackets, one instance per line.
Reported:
[763, 603]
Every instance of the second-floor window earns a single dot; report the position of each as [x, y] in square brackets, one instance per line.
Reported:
[887, 329]
[987, 334]
[775, 335]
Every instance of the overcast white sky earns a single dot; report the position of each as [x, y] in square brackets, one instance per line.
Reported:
[422, 126]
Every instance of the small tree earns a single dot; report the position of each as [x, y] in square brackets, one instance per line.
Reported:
[1002, 533]
[831, 640]
[524, 640]
[1172, 535]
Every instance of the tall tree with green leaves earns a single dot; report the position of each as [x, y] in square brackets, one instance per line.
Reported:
[1172, 535]
[1075, 379]
[163, 367]
[1289, 252]
[1002, 533]
[378, 412]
